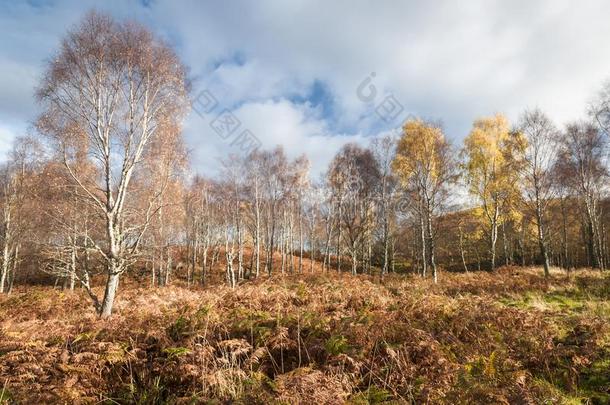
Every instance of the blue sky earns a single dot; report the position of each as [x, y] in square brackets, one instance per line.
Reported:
[290, 70]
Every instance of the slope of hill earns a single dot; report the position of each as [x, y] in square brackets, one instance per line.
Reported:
[508, 337]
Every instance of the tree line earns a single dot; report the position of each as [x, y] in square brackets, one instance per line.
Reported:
[103, 187]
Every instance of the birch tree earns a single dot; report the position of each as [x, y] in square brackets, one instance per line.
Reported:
[581, 166]
[538, 153]
[8, 203]
[16, 193]
[109, 91]
[384, 150]
[425, 164]
[599, 109]
[255, 181]
[490, 172]
[354, 176]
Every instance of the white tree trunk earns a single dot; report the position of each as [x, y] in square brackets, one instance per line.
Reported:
[5, 266]
[112, 284]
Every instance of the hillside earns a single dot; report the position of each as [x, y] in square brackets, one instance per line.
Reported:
[509, 337]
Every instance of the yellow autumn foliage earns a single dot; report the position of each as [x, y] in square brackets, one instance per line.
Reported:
[491, 150]
[420, 152]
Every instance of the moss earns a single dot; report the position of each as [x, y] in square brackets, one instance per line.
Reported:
[568, 301]
[564, 301]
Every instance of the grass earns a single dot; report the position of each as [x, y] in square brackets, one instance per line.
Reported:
[507, 337]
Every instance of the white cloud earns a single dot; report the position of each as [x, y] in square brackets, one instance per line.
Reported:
[449, 60]
[296, 127]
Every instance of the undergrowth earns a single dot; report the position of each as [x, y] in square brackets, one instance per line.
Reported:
[507, 337]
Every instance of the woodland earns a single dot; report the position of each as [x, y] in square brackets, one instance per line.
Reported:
[413, 270]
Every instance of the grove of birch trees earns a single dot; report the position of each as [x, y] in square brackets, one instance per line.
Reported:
[103, 188]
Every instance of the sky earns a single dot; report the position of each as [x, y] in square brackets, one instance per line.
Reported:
[314, 75]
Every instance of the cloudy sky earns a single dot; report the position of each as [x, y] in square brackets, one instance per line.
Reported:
[313, 75]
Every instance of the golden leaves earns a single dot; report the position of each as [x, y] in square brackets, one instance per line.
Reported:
[420, 151]
[491, 158]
